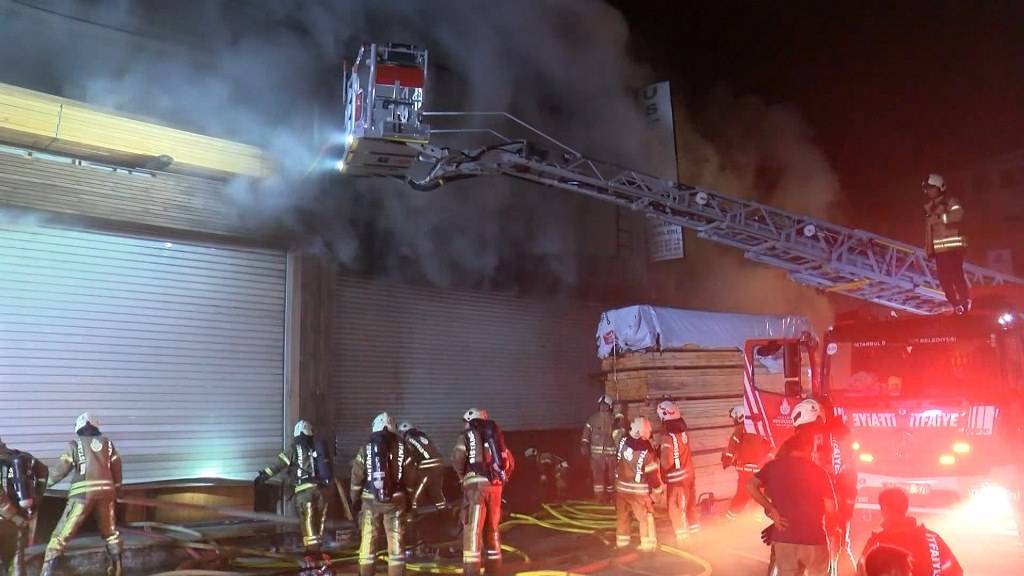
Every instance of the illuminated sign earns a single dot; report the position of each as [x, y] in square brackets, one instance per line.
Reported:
[873, 419]
[926, 419]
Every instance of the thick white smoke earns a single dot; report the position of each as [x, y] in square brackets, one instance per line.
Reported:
[261, 72]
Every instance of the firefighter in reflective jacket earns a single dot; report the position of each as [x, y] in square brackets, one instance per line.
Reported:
[930, 553]
[379, 493]
[95, 483]
[426, 475]
[638, 477]
[484, 465]
[13, 527]
[678, 471]
[304, 461]
[746, 452]
[598, 443]
[22, 483]
[944, 242]
[830, 439]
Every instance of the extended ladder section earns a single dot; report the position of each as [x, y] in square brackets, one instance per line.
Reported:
[813, 252]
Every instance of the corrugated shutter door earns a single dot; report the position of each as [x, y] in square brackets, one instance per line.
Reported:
[176, 347]
[427, 354]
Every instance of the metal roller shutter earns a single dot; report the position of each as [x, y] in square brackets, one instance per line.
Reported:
[177, 348]
[427, 354]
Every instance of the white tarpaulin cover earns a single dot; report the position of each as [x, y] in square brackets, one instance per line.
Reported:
[637, 328]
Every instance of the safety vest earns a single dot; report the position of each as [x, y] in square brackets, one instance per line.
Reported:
[943, 218]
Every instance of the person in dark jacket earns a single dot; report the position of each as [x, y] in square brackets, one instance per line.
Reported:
[885, 560]
[930, 554]
[22, 484]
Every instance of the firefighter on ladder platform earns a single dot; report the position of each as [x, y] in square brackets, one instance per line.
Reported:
[678, 470]
[831, 451]
[746, 452]
[95, 483]
[379, 494]
[309, 469]
[638, 478]
[599, 443]
[945, 243]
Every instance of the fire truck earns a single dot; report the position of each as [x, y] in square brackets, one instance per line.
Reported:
[933, 404]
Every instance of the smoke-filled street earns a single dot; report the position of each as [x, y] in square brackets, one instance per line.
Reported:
[544, 287]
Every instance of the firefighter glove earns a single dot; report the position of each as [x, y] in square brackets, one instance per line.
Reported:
[767, 533]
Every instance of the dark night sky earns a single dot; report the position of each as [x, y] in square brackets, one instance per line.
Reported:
[893, 90]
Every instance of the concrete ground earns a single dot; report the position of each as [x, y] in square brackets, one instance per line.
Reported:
[728, 548]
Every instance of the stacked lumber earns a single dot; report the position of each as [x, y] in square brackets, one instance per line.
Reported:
[49, 123]
[704, 383]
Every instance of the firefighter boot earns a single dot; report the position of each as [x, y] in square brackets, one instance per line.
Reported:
[493, 567]
[366, 570]
[115, 565]
[470, 569]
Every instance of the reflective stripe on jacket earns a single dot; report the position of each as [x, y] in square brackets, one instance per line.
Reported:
[598, 434]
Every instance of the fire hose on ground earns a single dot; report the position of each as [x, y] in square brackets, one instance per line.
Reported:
[574, 517]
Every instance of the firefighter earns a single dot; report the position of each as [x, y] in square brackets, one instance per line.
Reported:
[308, 465]
[95, 484]
[484, 465]
[944, 242]
[831, 451]
[552, 474]
[746, 452]
[426, 475]
[13, 530]
[379, 494]
[677, 467]
[930, 553]
[22, 482]
[619, 431]
[638, 478]
[597, 442]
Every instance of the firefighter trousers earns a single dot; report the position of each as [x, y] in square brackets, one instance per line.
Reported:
[372, 517]
[481, 516]
[311, 508]
[12, 549]
[77, 511]
[682, 507]
[602, 468]
[742, 497]
[429, 488]
[949, 266]
[639, 507]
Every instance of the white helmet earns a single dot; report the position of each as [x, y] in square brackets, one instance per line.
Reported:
[605, 399]
[475, 414]
[639, 428]
[738, 412]
[404, 427]
[84, 419]
[806, 412]
[303, 427]
[935, 180]
[668, 410]
[530, 452]
[383, 421]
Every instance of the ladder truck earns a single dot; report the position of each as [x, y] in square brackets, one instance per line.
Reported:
[929, 396]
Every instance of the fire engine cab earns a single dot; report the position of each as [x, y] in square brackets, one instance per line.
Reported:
[934, 404]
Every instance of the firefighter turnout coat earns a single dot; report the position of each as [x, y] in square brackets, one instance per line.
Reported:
[599, 440]
[678, 470]
[943, 217]
[380, 486]
[638, 475]
[481, 495]
[299, 460]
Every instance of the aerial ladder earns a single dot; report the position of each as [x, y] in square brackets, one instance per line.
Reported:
[386, 135]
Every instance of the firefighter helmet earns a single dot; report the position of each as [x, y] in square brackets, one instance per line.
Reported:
[640, 428]
[936, 181]
[303, 427]
[474, 414]
[668, 410]
[383, 421]
[530, 453]
[806, 412]
[605, 399]
[738, 412]
[404, 427]
[83, 420]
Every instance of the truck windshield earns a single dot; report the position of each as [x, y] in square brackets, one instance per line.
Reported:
[925, 368]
